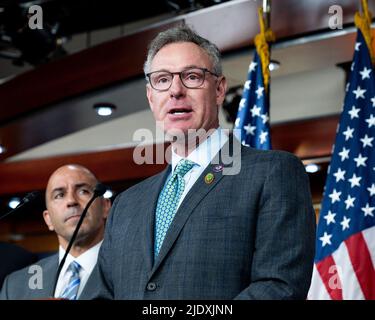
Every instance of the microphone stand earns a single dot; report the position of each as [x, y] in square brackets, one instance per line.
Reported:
[99, 190]
[28, 198]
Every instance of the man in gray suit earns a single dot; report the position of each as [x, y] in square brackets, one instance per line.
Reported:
[68, 191]
[203, 228]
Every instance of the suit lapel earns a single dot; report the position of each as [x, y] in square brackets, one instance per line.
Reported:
[49, 274]
[199, 190]
[152, 194]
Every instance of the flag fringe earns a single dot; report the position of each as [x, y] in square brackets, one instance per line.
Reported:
[262, 47]
[363, 23]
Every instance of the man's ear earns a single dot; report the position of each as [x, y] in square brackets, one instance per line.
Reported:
[149, 96]
[47, 220]
[106, 203]
[221, 90]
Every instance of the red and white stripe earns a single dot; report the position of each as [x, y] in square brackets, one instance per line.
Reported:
[349, 273]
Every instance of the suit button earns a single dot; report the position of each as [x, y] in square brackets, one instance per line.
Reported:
[151, 286]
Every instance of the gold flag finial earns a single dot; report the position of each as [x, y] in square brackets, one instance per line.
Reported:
[363, 23]
[262, 47]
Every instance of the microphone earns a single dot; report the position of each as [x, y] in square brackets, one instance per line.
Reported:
[30, 197]
[99, 190]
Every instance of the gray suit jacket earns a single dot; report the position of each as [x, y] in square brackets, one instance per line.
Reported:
[24, 285]
[244, 236]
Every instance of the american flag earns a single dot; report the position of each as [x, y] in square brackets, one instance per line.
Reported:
[345, 243]
[252, 119]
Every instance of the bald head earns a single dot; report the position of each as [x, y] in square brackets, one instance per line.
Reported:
[68, 191]
[69, 170]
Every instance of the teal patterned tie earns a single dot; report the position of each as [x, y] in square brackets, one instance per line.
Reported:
[168, 202]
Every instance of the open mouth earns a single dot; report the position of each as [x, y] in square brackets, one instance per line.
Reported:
[179, 111]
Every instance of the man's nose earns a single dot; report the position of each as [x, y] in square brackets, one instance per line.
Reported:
[71, 199]
[177, 88]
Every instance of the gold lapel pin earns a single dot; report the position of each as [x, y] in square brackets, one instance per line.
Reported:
[209, 178]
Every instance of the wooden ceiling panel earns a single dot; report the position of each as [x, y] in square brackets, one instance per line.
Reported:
[232, 25]
[76, 74]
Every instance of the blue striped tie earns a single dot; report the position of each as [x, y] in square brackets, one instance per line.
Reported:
[168, 201]
[71, 290]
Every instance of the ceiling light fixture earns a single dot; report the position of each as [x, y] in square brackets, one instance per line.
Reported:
[274, 65]
[2, 149]
[104, 109]
[14, 202]
[312, 168]
[108, 194]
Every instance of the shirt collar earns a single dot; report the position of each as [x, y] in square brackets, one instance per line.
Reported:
[205, 152]
[87, 260]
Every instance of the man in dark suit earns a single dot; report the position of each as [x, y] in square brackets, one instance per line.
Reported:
[206, 227]
[13, 258]
[68, 191]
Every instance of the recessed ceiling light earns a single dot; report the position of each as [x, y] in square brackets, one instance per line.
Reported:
[104, 109]
[108, 194]
[14, 202]
[312, 168]
[2, 149]
[274, 65]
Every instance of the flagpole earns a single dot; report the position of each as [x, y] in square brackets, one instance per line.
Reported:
[267, 13]
[254, 105]
[361, 6]
[269, 36]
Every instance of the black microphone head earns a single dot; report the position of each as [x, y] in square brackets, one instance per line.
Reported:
[100, 189]
[28, 198]
[31, 196]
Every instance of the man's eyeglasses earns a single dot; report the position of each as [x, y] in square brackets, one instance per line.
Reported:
[191, 78]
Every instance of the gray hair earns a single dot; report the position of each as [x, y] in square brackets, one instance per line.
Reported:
[182, 34]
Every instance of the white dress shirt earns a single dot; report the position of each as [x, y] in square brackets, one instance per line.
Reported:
[87, 261]
[201, 156]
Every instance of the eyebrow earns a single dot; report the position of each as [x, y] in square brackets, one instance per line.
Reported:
[183, 69]
[76, 186]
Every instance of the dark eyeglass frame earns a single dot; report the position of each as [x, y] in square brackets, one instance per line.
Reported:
[148, 75]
